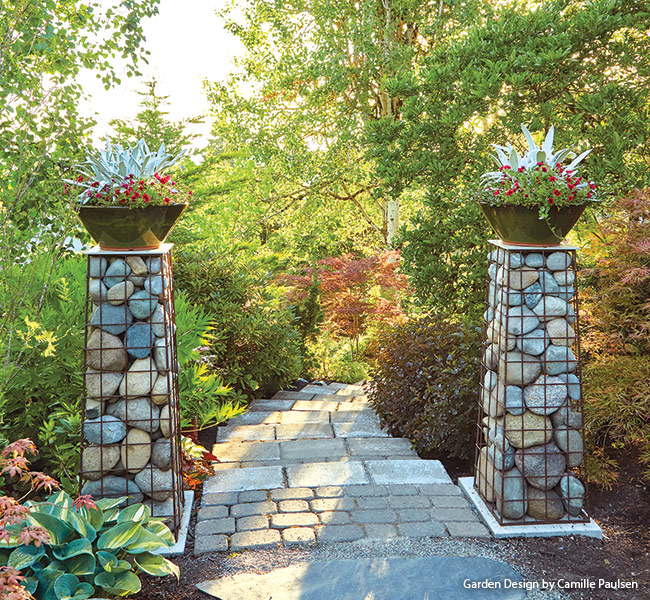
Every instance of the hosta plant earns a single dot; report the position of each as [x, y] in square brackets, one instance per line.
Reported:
[538, 178]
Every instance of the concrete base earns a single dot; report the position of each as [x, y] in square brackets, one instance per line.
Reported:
[179, 546]
[531, 529]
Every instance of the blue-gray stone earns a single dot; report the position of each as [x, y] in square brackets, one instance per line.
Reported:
[154, 284]
[514, 400]
[515, 298]
[535, 259]
[566, 293]
[521, 320]
[97, 266]
[558, 261]
[142, 304]
[154, 264]
[532, 295]
[500, 460]
[572, 492]
[548, 283]
[118, 271]
[157, 320]
[113, 487]
[534, 342]
[113, 319]
[571, 315]
[573, 384]
[492, 271]
[107, 429]
[516, 260]
[161, 354]
[488, 315]
[490, 380]
[559, 359]
[139, 340]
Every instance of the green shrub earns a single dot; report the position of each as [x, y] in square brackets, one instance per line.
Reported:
[426, 382]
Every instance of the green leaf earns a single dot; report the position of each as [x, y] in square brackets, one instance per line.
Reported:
[82, 526]
[66, 586]
[73, 548]
[136, 513]
[146, 542]
[157, 565]
[47, 578]
[57, 529]
[119, 536]
[25, 556]
[111, 564]
[84, 564]
[121, 584]
[31, 584]
[162, 531]
[108, 503]
[105, 580]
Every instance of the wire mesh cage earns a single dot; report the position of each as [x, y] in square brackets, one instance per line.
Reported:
[529, 439]
[131, 430]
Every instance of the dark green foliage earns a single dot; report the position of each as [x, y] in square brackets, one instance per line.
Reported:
[426, 384]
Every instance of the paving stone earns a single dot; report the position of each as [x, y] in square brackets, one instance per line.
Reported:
[292, 506]
[230, 465]
[330, 491]
[334, 518]
[366, 490]
[407, 471]
[250, 478]
[213, 526]
[210, 543]
[452, 514]
[221, 498]
[381, 532]
[413, 514]
[253, 496]
[315, 474]
[253, 508]
[213, 512]
[339, 533]
[328, 504]
[306, 430]
[440, 489]
[426, 529]
[408, 502]
[317, 405]
[258, 417]
[246, 432]
[298, 535]
[371, 502]
[252, 523]
[305, 416]
[373, 516]
[303, 519]
[246, 451]
[326, 398]
[362, 416]
[270, 405]
[380, 447]
[318, 389]
[293, 396]
[467, 530]
[352, 406]
[312, 449]
[449, 502]
[359, 430]
[254, 539]
[292, 494]
[402, 490]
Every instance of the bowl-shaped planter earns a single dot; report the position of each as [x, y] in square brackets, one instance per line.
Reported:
[120, 228]
[521, 225]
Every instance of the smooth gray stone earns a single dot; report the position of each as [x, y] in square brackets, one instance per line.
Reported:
[154, 284]
[521, 320]
[514, 400]
[546, 395]
[558, 261]
[566, 293]
[532, 295]
[118, 271]
[139, 340]
[157, 320]
[112, 486]
[155, 482]
[490, 380]
[97, 266]
[516, 260]
[551, 307]
[571, 315]
[548, 283]
[97, 290]
[154, 264]
[515, 298]
[512, 504]
[516, 368]
[107, 429]
[534, 342]
[142, 304]
[499, 460]
[572, 492]
[559, 359]
[436, 577]
[570, 441]
[113, 319]
[573, 384]
[161, 354]
[564, 277]
[137, 412]
[492, 271]
[535, 259]
[542, 466]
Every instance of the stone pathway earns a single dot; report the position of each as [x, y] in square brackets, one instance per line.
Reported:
[315, 465]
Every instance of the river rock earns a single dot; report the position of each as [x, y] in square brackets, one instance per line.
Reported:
[493, 402]
[573, 384]
[160, 391]
[558, 261]
[559, 359]
[111, 487]
[164, 509]
[139, 340]
[97, 290]
[516, 260]
[161, 354]
[154, 264]
[519, 279]
[542, 466]
[492, 295]
[136, 450]
[492, 271]
[112, 319]
[485, 475]
[567, 417]
[535, 260]
[533, 342]
[546, 395]
[118, 271]
[138, 266]
[526, 430]
[165, 421]
[521, 320]
[162, 454]
[488, 315]
[566, 293]
[138, 282]
[94, 409]
[514, 400]
[570, 441]
[532, 295]
[157, 321]
[516, 368]
[97, 266]
[154, 284]
[548, 284]
[142, 304]
[510, 493]
[137, 412]
[571, 315]
[491, 357]
[139, 379]
[500, 460]
[572, 492]
[98, 460]
[105, 352]
[490, 380]
[101, 384]
[155, 483]
[120, 292]
[560, 332]
[544, 505]
[515, 298]
[564, 278]
[107, 429]
[550, 307]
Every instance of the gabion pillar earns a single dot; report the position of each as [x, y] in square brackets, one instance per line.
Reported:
[529, 447]
[131, 431]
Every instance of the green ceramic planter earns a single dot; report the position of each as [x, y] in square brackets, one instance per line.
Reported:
[119, 228]
[521, 226]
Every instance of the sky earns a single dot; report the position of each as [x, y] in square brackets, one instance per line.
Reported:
[187, 45]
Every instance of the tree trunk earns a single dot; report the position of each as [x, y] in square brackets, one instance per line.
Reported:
[391, 216]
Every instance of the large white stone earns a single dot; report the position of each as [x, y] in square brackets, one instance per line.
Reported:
[546, 395]
[516, 368]
[136, 450]
[560, 332]
[139, 379]
[521, 320]
[550, 307]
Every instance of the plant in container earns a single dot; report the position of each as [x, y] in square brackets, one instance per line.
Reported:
[127, 202]
[534, 199]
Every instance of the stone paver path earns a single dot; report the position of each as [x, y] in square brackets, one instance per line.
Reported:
[315, 465]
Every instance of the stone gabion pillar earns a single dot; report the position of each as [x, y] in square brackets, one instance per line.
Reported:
[131, 431]
[529, 449]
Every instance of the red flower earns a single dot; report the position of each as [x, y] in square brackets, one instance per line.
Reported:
[510, 192]
[592, 186]
[146, 197]
[589, 194]
[557, 193]
[521, 170]
[80, 178]
[551, 201]
[552, 178]
[570, 198]
[96, 184]
[167, 199]
[191, 193]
